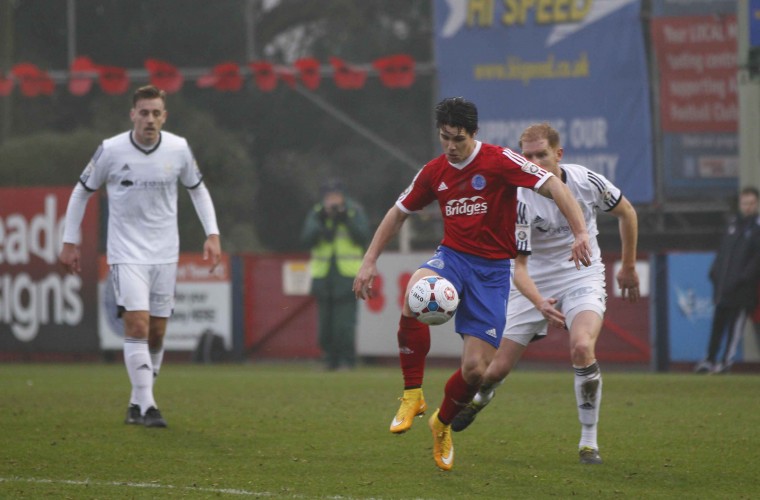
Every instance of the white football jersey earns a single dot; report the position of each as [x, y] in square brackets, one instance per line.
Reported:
[544, 233]
[142, 195]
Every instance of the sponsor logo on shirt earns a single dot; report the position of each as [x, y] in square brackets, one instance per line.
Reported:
[467, 206]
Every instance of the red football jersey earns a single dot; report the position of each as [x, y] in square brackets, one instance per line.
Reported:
[477, 198]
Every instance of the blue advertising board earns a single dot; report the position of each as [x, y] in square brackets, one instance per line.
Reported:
[579, 66]
[754, 23]
[690, 306]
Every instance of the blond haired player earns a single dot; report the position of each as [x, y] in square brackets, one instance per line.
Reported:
[548, 289]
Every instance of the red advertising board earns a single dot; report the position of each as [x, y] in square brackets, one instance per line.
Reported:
[696, 59]
[278, 324]
[42, 309]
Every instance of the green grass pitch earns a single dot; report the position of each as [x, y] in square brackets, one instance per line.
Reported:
[294, 431]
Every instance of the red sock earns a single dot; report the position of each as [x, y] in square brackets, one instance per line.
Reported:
[456, 396]
[413, 346]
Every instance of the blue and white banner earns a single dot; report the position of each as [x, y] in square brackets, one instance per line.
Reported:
[579, 66]
[690, 306]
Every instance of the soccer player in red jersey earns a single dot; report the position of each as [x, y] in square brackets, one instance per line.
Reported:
[475, 185]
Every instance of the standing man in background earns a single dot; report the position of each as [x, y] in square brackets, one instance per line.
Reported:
[734, 274]
[141, 169]
[337, 231]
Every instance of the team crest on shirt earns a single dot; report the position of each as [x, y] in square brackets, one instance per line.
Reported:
[478, 182]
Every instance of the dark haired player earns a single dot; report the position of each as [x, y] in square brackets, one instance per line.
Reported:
[475, 185]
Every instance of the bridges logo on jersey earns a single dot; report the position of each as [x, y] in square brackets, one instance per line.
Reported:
[467, 206]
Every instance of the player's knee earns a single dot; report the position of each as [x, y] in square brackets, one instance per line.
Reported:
[582, 352]
[474, 372]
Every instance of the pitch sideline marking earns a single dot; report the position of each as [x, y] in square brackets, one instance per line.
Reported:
[228, 491]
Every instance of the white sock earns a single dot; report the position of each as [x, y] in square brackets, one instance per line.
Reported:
[157, 357]
[140, 371]
[588, 395]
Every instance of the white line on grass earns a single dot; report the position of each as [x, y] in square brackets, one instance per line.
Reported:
[227, 491]
[224, 491]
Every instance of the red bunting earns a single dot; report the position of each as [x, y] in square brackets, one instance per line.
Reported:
[80, 75]
[6, 85]
[226, 78]
[113, 80]
[164, 75]
[347, 77]
[396, 71]
[263, 75]
[308, 69]
[32, 80]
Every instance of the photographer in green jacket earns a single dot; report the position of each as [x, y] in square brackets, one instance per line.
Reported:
[337, 232]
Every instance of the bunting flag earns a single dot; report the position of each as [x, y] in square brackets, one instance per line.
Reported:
[347, 77]
[80, 75]
[263, 75]
[225, 77]
[113, 80]
[308, 70]
[32, 80]
[395, 71]
[164, 75]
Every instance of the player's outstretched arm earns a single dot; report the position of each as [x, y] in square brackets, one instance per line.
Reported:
[628, 223]
[555, 189]
[388, 228]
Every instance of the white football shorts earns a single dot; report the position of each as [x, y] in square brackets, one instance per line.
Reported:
[524, 321]
[145, 287]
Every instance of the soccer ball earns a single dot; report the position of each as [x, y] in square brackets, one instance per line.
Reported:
[433, 300]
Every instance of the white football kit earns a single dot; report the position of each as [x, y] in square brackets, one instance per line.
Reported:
[543, 233]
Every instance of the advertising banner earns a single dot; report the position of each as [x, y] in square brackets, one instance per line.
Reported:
[624, 338]
[696, 56]
[754, 23]
[203, 303]
[42, 309]
[579, 66]
[690, 305]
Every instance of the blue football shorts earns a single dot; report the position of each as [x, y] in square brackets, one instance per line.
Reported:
[483, 287]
